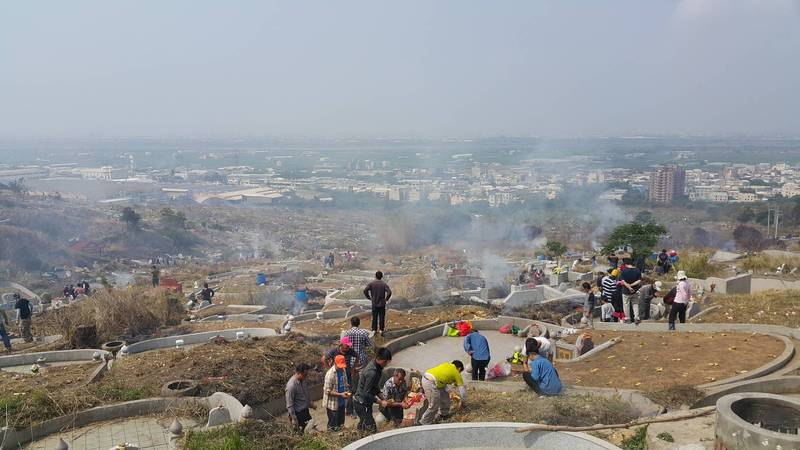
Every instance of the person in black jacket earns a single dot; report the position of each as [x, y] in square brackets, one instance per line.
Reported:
[368, 391]
[378, 293]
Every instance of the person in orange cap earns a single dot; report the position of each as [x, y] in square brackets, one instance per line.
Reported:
[335, 393]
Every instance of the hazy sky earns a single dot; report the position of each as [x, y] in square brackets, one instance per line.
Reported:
[401, 68]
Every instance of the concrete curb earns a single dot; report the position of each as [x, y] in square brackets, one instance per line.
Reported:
[704, 312]
[778, 385]
[592, 352]
[197, 338]
[14, 439]
[472, 434]
[734, 432]
[24, 359]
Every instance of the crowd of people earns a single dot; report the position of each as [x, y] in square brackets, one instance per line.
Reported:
[352, 382]
[627, 297]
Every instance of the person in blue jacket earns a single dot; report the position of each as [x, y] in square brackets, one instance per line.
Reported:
[543, 377]
[477, 346]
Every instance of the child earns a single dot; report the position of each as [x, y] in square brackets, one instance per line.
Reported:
[606, 310]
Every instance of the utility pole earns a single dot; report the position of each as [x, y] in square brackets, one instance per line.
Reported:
[777, 217]
[769, 211]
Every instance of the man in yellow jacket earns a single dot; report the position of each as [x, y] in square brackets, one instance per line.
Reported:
[435, 382]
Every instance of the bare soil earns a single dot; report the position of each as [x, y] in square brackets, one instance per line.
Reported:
[768, 308]
[397, 320]
[656, 361]
[254, 372]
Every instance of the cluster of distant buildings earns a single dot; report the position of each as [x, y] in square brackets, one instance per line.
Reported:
[724, 183]
[460, 181]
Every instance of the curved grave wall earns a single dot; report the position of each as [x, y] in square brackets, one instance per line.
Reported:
[477, 435]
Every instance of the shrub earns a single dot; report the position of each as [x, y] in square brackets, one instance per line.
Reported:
[116, 313]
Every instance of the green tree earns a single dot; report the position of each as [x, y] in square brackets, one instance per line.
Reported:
[643, 217]
[746, 215]
[131, 218]
[640, 237]
[633, 198]
[171, 219]
[555, 249]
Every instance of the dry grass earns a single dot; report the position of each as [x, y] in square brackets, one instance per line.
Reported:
[676, 396]
[525, 406]
[699, 266]
[769, 308]
[115, 313]
[767, 263]
[412, 286]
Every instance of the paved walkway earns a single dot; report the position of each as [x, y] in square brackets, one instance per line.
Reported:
[442, 349]
[149, 433]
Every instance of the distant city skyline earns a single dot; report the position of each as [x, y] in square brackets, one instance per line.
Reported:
[449, 69]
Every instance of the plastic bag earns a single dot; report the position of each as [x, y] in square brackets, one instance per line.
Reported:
[453, 332]
[464, 327]
[506, 329]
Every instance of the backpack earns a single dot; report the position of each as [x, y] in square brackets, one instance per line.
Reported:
[670, 297]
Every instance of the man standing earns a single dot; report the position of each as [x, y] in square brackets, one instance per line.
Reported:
[434, 383]
[543, 377]
[611, 290]
[378, 293]
[24, 311]
[206, 295]
[369, 390]
[361, 341]
[394, 392]
[646, 295]
[156, 274]
[335, 393]
[477, 347]
[297, 400]
[631, 280]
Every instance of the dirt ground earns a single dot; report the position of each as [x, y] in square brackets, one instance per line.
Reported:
[572, 410]
[253, 372]
[655, 361]
[397, 320]
[53, 391]
[769, 308]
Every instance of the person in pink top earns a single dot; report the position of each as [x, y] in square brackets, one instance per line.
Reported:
[683, 294]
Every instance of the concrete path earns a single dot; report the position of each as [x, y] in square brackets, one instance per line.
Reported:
[149, 433]
[442, 349]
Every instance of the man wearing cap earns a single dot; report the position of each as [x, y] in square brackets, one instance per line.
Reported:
[683, 293]
[335, 393]
[646, 295]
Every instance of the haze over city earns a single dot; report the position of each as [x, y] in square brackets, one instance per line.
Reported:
[372, 225]
[402, 69]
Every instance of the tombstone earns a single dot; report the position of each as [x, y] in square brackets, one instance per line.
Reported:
[218, 416]
[692, 309]
[657, 311]
[85, 336]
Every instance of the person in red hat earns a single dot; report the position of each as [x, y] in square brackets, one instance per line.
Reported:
[335, 393]
[345, 348]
